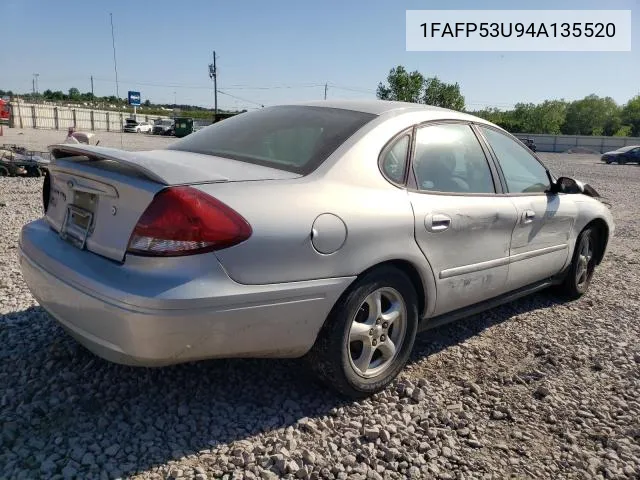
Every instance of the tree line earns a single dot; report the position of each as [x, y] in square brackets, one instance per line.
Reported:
[591, 115]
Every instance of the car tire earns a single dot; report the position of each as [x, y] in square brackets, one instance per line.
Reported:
[364, 344]
[4, 172]
[583, 263]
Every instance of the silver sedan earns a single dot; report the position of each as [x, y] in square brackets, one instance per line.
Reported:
[333, 231]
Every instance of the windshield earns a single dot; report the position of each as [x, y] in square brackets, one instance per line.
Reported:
[292, 138]
[626, 149]
[165, 122]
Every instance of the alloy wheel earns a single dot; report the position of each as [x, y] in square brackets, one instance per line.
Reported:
[377, 332]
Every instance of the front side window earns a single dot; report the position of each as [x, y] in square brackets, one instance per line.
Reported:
[292, 138]
[449, 158]
[394, 160]
[522, 171]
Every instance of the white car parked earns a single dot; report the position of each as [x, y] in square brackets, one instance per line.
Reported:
[134, 126]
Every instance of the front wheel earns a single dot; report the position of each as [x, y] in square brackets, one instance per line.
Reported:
[582, 266]
[369, 334]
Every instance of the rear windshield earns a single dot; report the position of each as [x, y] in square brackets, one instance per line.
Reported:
[292, 138]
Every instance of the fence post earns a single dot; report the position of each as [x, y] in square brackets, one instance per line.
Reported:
[55, 118]
[107, 115]
[555, 143]
[602, 145]
[73, 112]
[33, 116]
[121, 122]
[12, 119]
[92, 122]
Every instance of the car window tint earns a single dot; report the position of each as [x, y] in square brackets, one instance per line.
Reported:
[448, 158]
[522, 172]
[395, 160]
[292, 138]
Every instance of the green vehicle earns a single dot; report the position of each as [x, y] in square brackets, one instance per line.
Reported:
[183, 126]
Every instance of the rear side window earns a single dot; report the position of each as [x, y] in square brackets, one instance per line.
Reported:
[292, 138]
[448, 158]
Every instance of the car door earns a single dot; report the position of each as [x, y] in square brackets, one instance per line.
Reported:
[461, 225]
[540, 240]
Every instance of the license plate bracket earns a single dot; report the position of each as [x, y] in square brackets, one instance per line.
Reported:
[76, 225]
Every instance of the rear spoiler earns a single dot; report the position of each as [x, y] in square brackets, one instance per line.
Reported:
[74, 152]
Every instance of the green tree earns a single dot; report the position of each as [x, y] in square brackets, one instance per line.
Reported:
[631, 115]
[441, 94]
[548, 117]
[592, 115]
[74, 93]
[402, 86]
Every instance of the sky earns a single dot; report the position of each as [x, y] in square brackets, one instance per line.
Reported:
[271, 52]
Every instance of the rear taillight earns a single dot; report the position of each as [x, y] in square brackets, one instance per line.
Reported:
[186, 221]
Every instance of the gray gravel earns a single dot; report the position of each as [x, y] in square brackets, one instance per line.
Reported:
[534, 389]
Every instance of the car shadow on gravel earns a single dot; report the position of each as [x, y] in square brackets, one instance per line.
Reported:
[91, 415]
[433, 341]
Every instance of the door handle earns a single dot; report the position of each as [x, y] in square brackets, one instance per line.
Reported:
[528, 216]
[437, 222]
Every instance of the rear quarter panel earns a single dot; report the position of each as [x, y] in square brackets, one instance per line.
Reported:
[378, 217]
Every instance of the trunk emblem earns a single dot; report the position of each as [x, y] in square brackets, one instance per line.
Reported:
[114, 210]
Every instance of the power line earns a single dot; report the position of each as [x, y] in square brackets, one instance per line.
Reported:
[351, 89]
[208, 87]
[240, 98]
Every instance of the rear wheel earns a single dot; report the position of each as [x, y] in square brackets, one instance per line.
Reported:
[582, 266]
[4, 172]
[369, 334]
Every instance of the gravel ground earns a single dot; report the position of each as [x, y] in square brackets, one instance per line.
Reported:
[534, 389]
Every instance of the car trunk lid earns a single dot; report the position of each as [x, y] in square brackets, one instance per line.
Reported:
[97, 195]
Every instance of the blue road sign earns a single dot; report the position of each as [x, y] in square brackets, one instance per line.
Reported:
[134, 98]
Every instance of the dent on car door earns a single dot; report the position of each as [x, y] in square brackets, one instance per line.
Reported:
[461, 225]
[540, 240]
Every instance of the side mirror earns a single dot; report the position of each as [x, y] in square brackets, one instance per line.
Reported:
[567, 185]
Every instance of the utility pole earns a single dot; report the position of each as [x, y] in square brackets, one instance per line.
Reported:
[92, 85]
[115, 64]
[325, 91]
[33, 86]
[213, 73]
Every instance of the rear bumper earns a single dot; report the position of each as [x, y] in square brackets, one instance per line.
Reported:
[152, 312]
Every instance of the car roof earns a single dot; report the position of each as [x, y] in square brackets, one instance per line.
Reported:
[382, 107]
